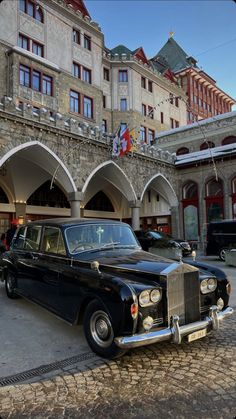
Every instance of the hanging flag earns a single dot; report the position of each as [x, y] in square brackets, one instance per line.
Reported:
[125, 142]
[133, 140]
[116, 145]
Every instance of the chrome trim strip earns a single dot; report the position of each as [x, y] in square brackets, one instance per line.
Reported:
[175, 333]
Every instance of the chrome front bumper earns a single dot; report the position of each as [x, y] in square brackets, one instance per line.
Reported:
[175, 333]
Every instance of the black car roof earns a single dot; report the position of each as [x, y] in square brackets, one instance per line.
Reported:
[73, 221]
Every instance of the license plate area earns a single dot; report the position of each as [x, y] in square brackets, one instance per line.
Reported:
[197, 335]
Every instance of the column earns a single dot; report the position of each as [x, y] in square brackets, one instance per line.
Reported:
[20, 211]
[135, 214]
[175, 223]
[75, 199]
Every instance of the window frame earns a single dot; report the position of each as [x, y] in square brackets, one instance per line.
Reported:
[123, 104]
[123, 76]
[87, 73]
[106, 74]
[32, 9]
[76, 36]
[87, 42]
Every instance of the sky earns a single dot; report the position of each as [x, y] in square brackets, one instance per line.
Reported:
[205, 29]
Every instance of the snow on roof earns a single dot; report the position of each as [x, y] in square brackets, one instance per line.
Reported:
[196, 124]
[209, 153]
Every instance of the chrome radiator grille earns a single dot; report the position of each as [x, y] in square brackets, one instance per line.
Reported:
[183, 295]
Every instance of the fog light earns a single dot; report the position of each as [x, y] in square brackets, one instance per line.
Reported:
[148, 323]
[220, 304]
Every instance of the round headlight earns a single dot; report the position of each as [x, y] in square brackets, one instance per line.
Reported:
[144, 298]
[203, 286]
[212, 284]
[155, 296]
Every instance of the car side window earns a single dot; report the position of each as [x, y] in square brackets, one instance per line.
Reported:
[32, 238]
[53, 241]
[18, 241]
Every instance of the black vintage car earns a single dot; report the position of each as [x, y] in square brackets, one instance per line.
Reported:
[96, 271]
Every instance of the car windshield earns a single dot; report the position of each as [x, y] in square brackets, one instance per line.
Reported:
[81, 238]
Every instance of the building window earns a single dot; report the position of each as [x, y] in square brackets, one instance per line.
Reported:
[171, 99]
[143, 137]
[76, 36]
[30, 45]
[123, 104]
[150, 136]
[87, 42]
[162, 118]
[143, 82]
[87, 75]
[104, 101]
[87, 107]
[206, 145]
[24, 76]
[36, 80]
[176, 124]
[151, 112]
[24, 42]
[123, 76]
[172, 123]
[150, 87]
[106, 74]
[32, 9]
[74, 101]
[181, 151]
[177, 101]
[47, 85]
[104, 126]
[37, 49]
[76, 70]
[144, 109]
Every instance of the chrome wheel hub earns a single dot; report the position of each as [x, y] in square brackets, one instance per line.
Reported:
[101, 329]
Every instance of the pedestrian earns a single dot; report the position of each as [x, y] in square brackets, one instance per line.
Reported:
[10, 233]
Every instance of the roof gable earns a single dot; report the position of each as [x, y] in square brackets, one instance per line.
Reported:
[79, 5]
[140, 54]
[176, 56]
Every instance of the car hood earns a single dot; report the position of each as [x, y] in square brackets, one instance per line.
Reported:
[128, 260]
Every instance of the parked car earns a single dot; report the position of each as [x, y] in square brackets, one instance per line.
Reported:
[159, 239]
[221, 236]
[95, 271]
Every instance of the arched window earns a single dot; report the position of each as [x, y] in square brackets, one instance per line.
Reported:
[214, 200]
[99, 202]
[182, 150]
[32, 9]
[206, 145]
[3, 197]
[190, 210]
[214, 188]
[229, 140]
[46, 197]
[190, 190]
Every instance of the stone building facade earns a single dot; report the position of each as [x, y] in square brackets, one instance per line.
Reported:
[62, 97]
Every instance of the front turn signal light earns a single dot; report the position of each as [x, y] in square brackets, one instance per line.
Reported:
[134, 310]
[228, 288]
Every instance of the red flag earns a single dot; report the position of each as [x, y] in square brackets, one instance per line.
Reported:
[125, 142]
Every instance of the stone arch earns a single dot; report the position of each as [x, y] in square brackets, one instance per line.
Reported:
[35, 154]
[114, 175]
[164, 187]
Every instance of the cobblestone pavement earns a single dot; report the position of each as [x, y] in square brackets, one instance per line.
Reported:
[196, 380]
